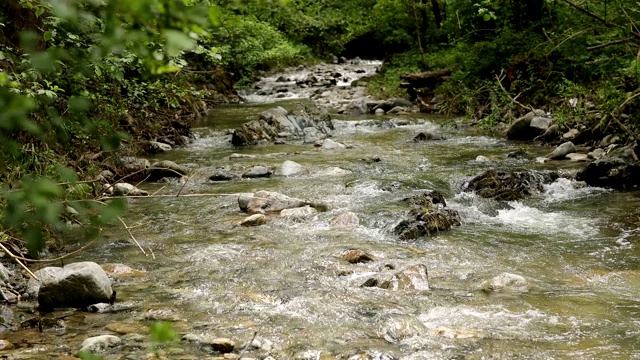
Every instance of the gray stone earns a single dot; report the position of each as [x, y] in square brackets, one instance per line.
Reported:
[551, 133]
[402, 102]
[397, 110]
[576, 157]
[482, 158]
[597, 154]
[540, 123]
[571, 134]
[379, 112]
[243, 201]
[222, 175]
[100, 343]
[357, 107]
[562, 150]
[329, 144]
[253, 220]
[158, 147]
[241, 156]
[289, 168]
[257, 171]
[4, 274]
[272, 202]
[506, 282]
[126, 189]
[76, 285]
[222, 345]
[520, 129]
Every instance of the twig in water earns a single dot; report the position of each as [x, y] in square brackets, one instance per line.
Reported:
[15, 258]
[58, 258]
[131, 235]
[247, 346]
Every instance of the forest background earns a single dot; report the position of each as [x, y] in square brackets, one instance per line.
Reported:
[84, 82]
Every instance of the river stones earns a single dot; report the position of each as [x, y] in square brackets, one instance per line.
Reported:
[521, 128]
[99, 343]
[166, 168]
[429, 216]
[426, 136]
[509, 185]
[506, 282]
[357, 107]
[414, 277]
[76, 285]
[277, 121]
[5, 345]
[222, 175]
[157, 147]
[329, 144]
[620, 169]
[4, 274]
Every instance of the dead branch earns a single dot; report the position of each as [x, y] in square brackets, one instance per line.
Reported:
[15, 258]
[499, 78]
[58, 258]
[599, 18]
[611, 43]
[132, 237]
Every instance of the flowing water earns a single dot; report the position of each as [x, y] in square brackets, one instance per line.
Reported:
[578, 247]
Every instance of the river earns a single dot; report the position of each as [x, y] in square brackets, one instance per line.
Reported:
[577, 247]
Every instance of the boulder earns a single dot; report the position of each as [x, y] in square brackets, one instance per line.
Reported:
[289, 168]
[429, 216]
[562, 150]
[278, 121]
[357, 107]
[551, 133]
[541, 124]
[506, 186]
[576, 157]
[596, 154]
[571, 134]
[257, 171]
[100, 343]
[506, 282]
[401, 102]
[166, 168]
[521, 128]
[8, 320]
[76, 285]
[272, 202]
[243, 201]
[134, 168]
[620, 169]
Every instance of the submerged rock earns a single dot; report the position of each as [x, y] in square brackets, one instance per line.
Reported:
[257, 171]
[502, 185]
[76, 285]
[506, 282]
[329, 144]
[222, 175]
[253, 220]
[429, 215]
[299, 212]
[355, 256]
[427, 136]
[347, 220]
[289, 168]
[414, 277]
[166, 168]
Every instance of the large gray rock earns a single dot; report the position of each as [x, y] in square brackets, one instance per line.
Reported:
[158, 147]
[562, 150]
[357, 107]
[272, 202]
[289, 168]
[276, 122]
[126, 189]
[100, 343]
[299, 212]
[257, 171]
[540, 123]
[329, 144]
[521, 128]
[76, 285]
[509, 185]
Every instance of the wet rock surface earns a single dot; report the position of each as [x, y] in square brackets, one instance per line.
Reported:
[509, 185]
[620, 169]
[429, 216]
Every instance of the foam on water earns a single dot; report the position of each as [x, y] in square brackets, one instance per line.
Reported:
[567, 190]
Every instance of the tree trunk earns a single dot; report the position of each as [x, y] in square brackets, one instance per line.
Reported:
[437, 13]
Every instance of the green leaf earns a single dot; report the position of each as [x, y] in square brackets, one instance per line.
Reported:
[66, 173]
[214, 15]
[486, 17]
[176, 41]
[163, 332]
[39, 11]
[114, 209]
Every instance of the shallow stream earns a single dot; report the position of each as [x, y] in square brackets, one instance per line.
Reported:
[578, 247]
